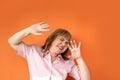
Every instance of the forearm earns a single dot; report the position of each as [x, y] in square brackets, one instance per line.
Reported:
[84, 72]
[35, 29]
[17, 37]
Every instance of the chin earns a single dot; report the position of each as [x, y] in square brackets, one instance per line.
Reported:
[60, 52]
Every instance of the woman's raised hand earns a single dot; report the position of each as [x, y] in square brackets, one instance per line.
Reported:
[75, 50]
[38, 29]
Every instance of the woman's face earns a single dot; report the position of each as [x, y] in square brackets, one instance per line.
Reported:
[59, 45]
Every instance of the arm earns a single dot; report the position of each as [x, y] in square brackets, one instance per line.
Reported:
[75, 53]
[35, 29]
[85, 75]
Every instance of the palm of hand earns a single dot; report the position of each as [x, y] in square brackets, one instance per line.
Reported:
[37, 29]
[75, 51]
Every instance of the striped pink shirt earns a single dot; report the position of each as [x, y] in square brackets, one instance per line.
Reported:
[41, 68]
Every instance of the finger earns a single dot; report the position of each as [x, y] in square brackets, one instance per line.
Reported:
[74, 43]
[79, 44]
[44, 25]
[71, 43]
[45, 30]
[41, 23]
[69, 47]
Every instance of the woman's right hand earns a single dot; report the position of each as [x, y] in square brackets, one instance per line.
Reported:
[38, 29]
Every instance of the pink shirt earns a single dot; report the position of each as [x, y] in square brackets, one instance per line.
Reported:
[41, 67]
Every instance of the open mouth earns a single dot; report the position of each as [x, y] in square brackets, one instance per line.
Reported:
[60, 48]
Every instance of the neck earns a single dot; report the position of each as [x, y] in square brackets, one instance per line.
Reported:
[53, 55]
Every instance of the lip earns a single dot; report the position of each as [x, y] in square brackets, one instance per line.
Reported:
[60, 48]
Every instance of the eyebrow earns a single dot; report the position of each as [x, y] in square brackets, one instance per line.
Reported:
[64, 38]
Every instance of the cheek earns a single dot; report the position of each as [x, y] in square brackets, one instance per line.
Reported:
[55, 42]
[65, 48]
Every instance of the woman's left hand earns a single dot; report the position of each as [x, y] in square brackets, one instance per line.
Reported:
[75, 50]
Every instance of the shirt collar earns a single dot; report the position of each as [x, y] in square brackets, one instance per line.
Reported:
[59, 57]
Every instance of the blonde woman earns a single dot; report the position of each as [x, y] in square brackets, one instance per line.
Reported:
[49, 61]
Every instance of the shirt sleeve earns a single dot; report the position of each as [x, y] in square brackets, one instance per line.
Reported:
[75, 72]
[24, 50]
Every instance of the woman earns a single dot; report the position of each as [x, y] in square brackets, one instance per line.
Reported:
[49, 62]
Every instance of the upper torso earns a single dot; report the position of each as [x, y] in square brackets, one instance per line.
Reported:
[42, 68]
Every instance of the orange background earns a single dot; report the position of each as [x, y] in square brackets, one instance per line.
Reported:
[95, 23]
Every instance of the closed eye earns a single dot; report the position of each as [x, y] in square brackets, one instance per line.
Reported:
[61, 39]
[66, 43]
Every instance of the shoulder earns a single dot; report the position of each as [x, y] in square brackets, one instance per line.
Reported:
[30, 47]
[36, 46]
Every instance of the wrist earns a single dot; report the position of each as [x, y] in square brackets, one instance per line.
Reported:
[27, 31]
[78, 58]
[30, 29]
